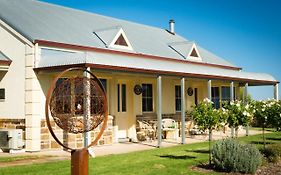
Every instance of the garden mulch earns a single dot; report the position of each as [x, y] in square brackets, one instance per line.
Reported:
[269, 169]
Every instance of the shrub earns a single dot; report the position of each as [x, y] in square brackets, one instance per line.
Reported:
[230, 156]
[272, 153]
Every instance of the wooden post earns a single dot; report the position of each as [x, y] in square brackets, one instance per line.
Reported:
[80, 162]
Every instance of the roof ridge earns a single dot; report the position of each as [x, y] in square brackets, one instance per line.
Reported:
[108, 28]
[181, 42]
[103, 16]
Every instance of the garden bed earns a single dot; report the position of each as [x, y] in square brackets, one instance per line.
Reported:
[182, 159]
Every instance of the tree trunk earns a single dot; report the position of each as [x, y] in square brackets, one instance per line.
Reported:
[236, 132]
[210, 152]
[263, 137]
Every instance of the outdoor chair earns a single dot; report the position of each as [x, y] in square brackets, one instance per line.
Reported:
[145, 131]
[170, 129]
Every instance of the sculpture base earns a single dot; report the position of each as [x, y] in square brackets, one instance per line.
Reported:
[80, 162]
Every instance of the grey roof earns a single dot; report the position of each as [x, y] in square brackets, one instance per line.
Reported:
[3, 57]
[107, 35]
[50, 58]
[43, 21]
[183, 48]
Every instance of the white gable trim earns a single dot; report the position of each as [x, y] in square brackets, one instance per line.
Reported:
[15, 33]
[199, 58]
[113, 45]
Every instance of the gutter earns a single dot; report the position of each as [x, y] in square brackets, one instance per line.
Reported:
[157, 72]
[95, 49]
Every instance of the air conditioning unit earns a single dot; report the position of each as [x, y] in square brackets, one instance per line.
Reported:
[11, 139]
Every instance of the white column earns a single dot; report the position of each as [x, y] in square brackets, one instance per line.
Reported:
[183, 111]
[245, 101]
[33, 102]
[231, 99]
[276, 92]
[231, 91]
[87, 107]
[209, 86]
[159, 110]
[245, 93]
[209, 89]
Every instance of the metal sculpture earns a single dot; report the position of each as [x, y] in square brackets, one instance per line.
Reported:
[77, 103]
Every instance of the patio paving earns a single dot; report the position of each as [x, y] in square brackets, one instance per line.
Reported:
[127, 147]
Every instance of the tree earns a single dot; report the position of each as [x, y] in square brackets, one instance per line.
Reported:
[267, 113]
[207, 118]
[238, 114]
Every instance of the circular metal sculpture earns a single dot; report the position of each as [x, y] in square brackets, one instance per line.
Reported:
[190, 91]
[138, 89]
[77, 103]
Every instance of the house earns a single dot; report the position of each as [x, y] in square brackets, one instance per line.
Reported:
[146, 70]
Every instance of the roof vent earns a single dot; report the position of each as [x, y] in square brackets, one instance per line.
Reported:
[172, 26]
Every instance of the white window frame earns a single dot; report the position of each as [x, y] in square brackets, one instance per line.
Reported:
[113, 45]
[196, 50]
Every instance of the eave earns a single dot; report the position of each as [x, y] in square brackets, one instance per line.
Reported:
[109, 51]
[251, 82]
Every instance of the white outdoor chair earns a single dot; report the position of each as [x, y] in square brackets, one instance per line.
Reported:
[170, 128]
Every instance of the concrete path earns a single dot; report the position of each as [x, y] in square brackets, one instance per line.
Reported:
[120, 148]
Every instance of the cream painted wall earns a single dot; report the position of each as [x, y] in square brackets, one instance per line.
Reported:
[168, 95]
[134, 102]
[44, 81]
[14, 80]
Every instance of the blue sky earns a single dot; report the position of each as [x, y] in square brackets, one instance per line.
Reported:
[245, 32]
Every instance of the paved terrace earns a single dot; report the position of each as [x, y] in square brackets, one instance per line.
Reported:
[127, 147]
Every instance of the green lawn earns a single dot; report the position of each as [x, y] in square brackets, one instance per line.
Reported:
[20, 158]
[164, 161]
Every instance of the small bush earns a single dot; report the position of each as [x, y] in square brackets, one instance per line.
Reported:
[272, 153]
[230, 156]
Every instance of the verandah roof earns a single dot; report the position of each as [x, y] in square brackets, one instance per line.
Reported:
[117, 62]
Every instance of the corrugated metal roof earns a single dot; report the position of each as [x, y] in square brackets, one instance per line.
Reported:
[50, 58]
[42, 21]
[107, 35]
[183, 48]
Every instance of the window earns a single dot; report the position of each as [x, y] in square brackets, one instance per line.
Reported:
[121, 98]
[118, 97]
[194, 53]
[121, 41]
[63, 99]
[2, 94]
[104, 83]
[178, 97]
[216, 97]
[147, 98]
[195, 96]
[225, 93]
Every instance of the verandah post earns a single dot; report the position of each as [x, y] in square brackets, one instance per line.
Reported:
[232, 99]
[159, 111]
[245, 101]
[183, 140]
[86, 106]
[276, 92]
